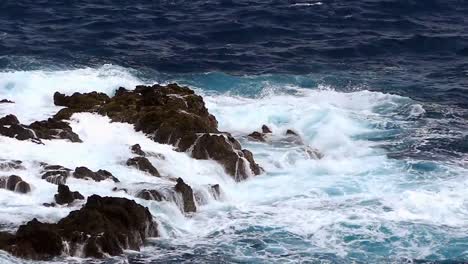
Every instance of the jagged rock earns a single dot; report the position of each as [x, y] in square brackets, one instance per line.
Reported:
[150, 195]
[65, 196]
[5, 101]
[87, 174]
[257, 136]
[103, 226]
[143, 164]
[215, 191]
[115, 189]
[54, 129]
[266, 130]
[227, 151]
[48, 129]
[55, 174]
[187, 195]
[11, 127]
[11, 165]
[14, 183]
[168, 114]
[290, 132]
[136, 149]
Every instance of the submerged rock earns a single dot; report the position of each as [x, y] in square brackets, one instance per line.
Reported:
[11, 165]
[65, 196]
[150, 195]
[103, 226]
[257, 136]
[55, 174]
[14, 183]
[168, 114]
[266, 130]
[136, 149]
[187, 195]
[87, 174]
[143, 164]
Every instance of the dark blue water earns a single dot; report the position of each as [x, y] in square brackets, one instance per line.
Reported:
[411, 47]
[414, 48]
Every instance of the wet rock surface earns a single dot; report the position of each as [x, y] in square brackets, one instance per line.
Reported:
[47, 129]
[6, 101]
[187, 195]
[87, 174]
[14, 183]
[168, 114]
[65, 196]
[11, 165]
[150, 195]
[103, 226]
[143, 164]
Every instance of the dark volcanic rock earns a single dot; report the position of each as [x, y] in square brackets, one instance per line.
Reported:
[150, 195]
[290, 132]
[48, 129]
[104, 226]
[227, 151]
[54, 129]
[5, 101]
[14, 183]
[136, 149]
[55, 174]
[215, 191]
[87, 174]
[65, 196]
[187, 195]
[143, 164]
[168, 114]
[266, 130]
[257, 136]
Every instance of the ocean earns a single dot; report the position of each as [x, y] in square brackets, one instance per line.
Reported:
[380, 87]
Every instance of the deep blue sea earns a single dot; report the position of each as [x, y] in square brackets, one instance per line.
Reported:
[379, 86]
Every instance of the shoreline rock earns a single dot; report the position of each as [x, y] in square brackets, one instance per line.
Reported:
[103, 226]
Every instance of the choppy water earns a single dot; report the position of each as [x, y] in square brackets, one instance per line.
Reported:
[380, 87]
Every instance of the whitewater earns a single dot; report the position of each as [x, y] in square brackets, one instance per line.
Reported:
[358, 203]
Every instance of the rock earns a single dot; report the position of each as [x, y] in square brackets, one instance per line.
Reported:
[115, 189]
[65, 196]
[87, 174]
[49, 204]
[54, 129]
[48, 129]
[150, 195]
[55, 174]
[5, 101]
[290, 132]
[11, 127]
[215, 190]
[14, 183]
[187, 195]
[313, 153]
[266, 130]
[168, 114]
[136, 149]
[9, 120]
[226, 150]
[103, 226]
[11, 165]
[143, 164]
[257, 136]
[36, 240]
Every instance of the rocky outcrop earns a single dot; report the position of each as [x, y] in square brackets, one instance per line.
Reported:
[143, 164]
[14, 183]
[187, 195]
[87, 174]
[11, 165]
[6, 101]
[55, 174]
[266, 129]
[54, 129]
[48, 129]
[103, 226]
[65, 196]
[167, 114]
[136, 149]
[257, 136]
